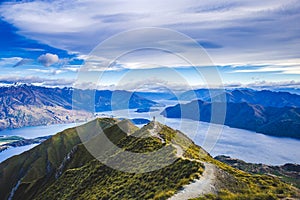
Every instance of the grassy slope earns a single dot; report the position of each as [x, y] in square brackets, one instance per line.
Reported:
[289, 173]
[95, 180]
[38, 166]
[83, 177]
[256, 187]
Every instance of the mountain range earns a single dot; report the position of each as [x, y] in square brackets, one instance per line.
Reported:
[265, 98]
[62, 168]
[268, 112]
[29, 105]
[275, 121]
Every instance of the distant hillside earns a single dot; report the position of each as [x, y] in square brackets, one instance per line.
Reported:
[61, 168]
[265, 97]
[282, 122]
[288, 172]
[28, 105]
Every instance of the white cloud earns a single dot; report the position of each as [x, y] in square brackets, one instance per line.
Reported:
[48, 59]
[36, 80]
[55, 71]
[246, 30]
[163, 86]
[274, 85]
[153, 85]
[284, 68]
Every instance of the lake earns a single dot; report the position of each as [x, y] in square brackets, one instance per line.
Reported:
[30, 132]
[237, 143]
[15, 151]
[36, 131]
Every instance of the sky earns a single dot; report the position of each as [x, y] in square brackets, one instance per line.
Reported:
[54, 43]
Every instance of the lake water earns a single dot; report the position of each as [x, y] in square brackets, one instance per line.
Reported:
[30, 132]
[217, 140]
[15, 151]
[223, 140]
[36, 131]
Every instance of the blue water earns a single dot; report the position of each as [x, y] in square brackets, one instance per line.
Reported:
[30, 132]
[243, 144]
[15, 151]
[237, 143]
[36, 131]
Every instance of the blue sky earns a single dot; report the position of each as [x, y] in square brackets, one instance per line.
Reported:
[252, 43]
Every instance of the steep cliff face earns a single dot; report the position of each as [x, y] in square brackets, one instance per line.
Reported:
[62, 168]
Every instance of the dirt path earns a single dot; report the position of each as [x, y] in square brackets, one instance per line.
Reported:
[199, 187]
[154, 132]
[179, 152]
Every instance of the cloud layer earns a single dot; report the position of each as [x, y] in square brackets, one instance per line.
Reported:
[233, 31]
[253, 43]
[36, 80]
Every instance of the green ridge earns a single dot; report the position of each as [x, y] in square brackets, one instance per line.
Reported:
[62, 168]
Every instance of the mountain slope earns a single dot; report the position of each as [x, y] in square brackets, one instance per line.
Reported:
[26, 105]
[282, 122]
[61, 168]
[288, 172]
[40, 167]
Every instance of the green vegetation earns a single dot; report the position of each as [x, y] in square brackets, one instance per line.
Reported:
[47, 174]
[97, 181]
[62, 168]
[288, 173]
[36, 168]
[256, 187]
[10, 138]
